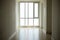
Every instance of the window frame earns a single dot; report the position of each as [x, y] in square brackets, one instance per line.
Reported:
[33, 13]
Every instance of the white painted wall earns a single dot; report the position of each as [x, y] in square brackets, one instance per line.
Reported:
[0, 26]
[55, 19]
[7, 18]
[0, 23]
[49, 16]
[49, 19]
[59, 22]
[30, 0]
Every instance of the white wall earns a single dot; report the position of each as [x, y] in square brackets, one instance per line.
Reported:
[53, 21]
[30, 0]
[59, 22]
[0, 25]
[49, 19]
[49, 16]
[7, 18]
[55, 17]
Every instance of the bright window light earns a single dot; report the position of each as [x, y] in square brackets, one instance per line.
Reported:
[30, 22]
[22, 11]
[36, 22]
[29, 14]
[36, 10]
[22, 22]
[30, 10]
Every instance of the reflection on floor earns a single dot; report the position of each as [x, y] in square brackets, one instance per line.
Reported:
[29, 34]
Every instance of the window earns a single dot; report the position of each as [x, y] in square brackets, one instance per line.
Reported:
[29, 17]
[29, 14]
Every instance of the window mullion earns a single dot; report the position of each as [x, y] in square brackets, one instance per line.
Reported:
[24, 14]
[28, 14]
[19, 13]
[33, 14]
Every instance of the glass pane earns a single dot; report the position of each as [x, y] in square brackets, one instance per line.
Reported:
[30, 22]
[36, 10]
[26, 10]
[26, 22]
[30, 10]
[36, 22]
[22, 22]
[22, 10]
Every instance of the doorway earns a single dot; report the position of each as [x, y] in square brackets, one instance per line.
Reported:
[30, 20]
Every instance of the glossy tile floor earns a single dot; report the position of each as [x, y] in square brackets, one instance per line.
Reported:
[29, 34]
